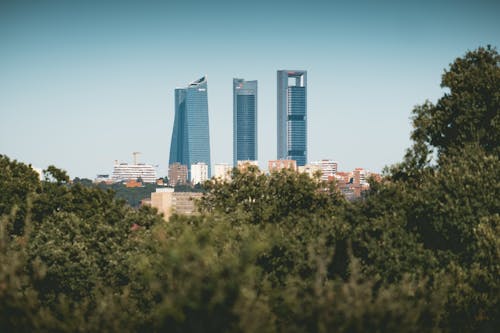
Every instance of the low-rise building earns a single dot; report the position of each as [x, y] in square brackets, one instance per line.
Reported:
[222, 171]
[310, 169]
[199, 173]
[177, 174]
[328, 168]
[276, 165]
[125, 172]
[243, 165]
[169, 202]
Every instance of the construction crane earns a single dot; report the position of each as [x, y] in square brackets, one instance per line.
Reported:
[135, 153]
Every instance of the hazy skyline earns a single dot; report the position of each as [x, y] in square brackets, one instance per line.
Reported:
[85, 83]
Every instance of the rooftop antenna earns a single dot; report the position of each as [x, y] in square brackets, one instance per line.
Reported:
[135, 153]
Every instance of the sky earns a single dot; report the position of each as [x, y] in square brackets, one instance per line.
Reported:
[85, 83]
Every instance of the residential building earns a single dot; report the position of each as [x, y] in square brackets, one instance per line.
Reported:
[360, 176]
[177, 174]
[199, 173]
[243, 165]
[223, 171]
[328, 168]
[310, 169]
[168, 202]
[244, 120]
[343, 177]
[125, 172]
[277, 165]
[190, 142]
[292, 116]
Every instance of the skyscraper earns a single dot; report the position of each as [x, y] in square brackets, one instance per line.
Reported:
[292, 116]
[190, 137]
[244, 120]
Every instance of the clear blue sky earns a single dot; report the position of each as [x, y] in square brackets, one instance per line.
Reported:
[83, 83]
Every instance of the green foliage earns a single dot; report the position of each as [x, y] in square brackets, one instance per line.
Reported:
[469, 112]
[270, 198]
[54, 174]
[188, 188]
[132, 195]
[18, 183]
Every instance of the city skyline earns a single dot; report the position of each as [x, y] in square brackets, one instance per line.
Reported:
[85, 83]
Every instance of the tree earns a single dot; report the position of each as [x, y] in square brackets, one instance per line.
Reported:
[467, 114]
[447, 187]
[280, 196]
[19, 184]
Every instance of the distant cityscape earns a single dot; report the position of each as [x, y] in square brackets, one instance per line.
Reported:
[190, 159]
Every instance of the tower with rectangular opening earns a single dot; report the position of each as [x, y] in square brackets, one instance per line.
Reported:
[292, 115]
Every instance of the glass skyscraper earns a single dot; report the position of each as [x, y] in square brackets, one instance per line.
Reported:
[292, 116]
[190, 137]
[244, 120]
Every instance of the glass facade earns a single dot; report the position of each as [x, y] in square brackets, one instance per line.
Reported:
[292, 116]
[244, 120]
[190, 136]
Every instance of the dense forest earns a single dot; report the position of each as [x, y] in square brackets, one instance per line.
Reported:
[275, 253]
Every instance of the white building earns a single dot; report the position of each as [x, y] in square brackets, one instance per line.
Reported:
[328, 168]
[199, 173]
[222, 171]
[126, 172]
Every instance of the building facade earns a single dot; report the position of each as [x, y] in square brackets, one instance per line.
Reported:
[199, 173]
[190, 142]
[222, 171]
[177, 174]
[126, 172]
[168, 202]
[328, 168]
[244, 165]
[292, 116]
[278, 165]
[309, 169]
[244, 120]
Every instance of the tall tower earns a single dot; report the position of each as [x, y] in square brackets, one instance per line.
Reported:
[190, 137]
[244, 120]
[292, 116]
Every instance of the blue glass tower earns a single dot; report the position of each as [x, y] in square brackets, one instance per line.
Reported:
[244, 120]
[292, 116]
[190, 137]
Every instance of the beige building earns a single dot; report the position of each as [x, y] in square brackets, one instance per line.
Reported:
[222, 171]
[310, 169]
[169, 202]
[276, 165]
[243, 165]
